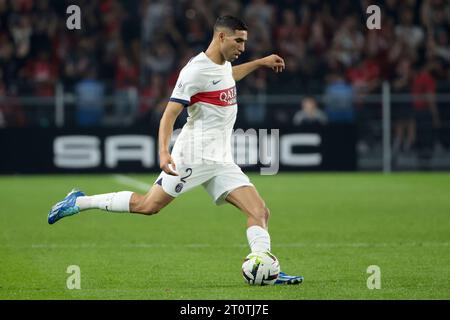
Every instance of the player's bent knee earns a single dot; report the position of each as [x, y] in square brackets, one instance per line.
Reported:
[153, 208]
[149, 208]
[260, 213]
[267, 213]
[150, 211]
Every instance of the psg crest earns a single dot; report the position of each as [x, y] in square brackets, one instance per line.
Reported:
[178, 187]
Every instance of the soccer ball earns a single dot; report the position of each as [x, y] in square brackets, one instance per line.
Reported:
[260, 268]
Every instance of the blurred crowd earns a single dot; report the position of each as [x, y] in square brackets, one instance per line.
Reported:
[121, 66]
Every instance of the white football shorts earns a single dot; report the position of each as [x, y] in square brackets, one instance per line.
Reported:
[218, 180]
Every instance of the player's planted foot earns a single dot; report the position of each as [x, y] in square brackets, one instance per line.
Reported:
[283, 278]
[65, 207]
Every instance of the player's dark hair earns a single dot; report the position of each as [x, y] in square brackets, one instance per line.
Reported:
[231, 23]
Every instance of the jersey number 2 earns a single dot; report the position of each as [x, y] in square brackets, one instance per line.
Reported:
[189, 172]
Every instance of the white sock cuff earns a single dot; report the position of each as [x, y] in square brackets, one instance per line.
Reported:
[258, 239]
[120, 201]
[256, 230]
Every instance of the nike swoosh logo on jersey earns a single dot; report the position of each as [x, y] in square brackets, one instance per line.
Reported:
[216, 82]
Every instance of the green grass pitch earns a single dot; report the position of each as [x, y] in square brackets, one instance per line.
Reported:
[327, 227]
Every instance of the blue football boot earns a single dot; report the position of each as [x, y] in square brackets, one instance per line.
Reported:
[283, 278]
[65, 207]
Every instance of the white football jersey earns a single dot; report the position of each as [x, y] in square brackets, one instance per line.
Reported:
[208, 90]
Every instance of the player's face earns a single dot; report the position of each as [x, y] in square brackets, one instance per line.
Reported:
[233, 44]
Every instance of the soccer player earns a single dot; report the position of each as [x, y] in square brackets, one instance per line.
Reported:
[202, 152]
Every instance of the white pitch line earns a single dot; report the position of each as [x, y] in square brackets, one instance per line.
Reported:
[133, 183]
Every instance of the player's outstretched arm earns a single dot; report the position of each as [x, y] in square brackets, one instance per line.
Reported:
[275, 62]
[171, 113]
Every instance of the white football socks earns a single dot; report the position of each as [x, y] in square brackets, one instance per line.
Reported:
[116, 201]
[258, 239]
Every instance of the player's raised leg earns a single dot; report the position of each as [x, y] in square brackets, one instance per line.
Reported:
[150, 203]
[248, 200]
[123, 201]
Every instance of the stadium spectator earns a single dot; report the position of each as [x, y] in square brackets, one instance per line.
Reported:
[348, 42]
[255, 110]
[126, 90]
[411, 34]
[43, 76]
[425, 109]
[153, 96]
[90, 99]
[262, 12]
[402, 110]
[21, 30]
[160, 58]
[366, 78]
[195, 35]
[309, 114]
[338, 98]
[11, 112]
[156, 12]
[259, 43]
[9, 65]
[289, 36]
[442, 76]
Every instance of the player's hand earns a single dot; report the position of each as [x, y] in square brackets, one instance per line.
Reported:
[167, 164]
[275, 62]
